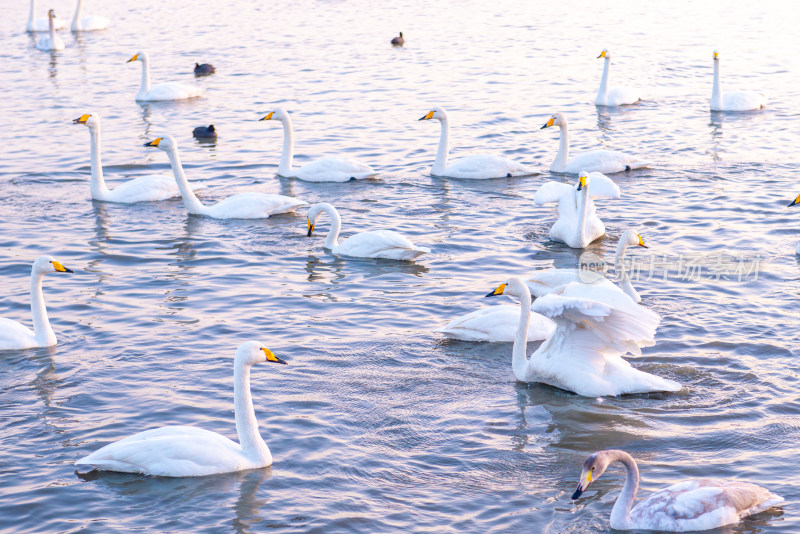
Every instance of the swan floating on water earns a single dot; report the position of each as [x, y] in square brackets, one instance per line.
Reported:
[185, 451]
[241, 206]
[691, 505]
[14, 335]
[619, 95]
[605, 161]
[478, 166]
[149, 188]
[733, 100]
[385, 244]
[578, 223]
[161, 91]
[595, 325]
[329, 169]
[42, 24]
[87, 23]
[51, 41]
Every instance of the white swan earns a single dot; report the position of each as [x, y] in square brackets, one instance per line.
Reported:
[618, 95]
[794, 203]
[578, 223]
[86, 23]
[42, 24]
[691, 505]
[14, 335]
[328, 169]
[595, 325]
[160, 91]
[385, 244]
[628, 238]
[241, 206]
[51, 41]
[496, 324]
[185, 451]
[605, 161]
[733, 100]
[142, 189]
[478, 166]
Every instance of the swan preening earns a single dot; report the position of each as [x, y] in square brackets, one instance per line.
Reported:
[329, 169]
[694, 504]
[241, 206]
[142, 189]
[51, 41]
[733, 100]
[385, 244]
[618, 95]
[185, 451]
[160, 91]
[42, 24]
[478, 166]
[605, 161]
[794, 203]
[14, 335]
[578, 223]
[595, 325]
[86, 23]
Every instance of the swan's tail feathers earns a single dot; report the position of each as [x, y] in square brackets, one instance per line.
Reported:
[639, 164]
[551, 192]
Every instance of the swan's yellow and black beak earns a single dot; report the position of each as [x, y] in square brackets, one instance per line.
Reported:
[586, 479]
[794, 202]
[60, 268]
[716, 56]
[310, 227]
[602, 54]
[134, 58]
[268, 116]
[427, 116]
[271, 357]
[498, 291]
[581, 182]
[641, 242]
[82, 119]
[154, 142]
[551, 121]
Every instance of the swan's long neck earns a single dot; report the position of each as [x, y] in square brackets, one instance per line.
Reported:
[285, 167]
[716, 91]
[519, 358]
[622, 272]
[98, 186]
[583, 207]
[77, 18]
[621, 513]
[253, 446]
[563, 145]
[601, 94]
[52, 25]
[41, 324]
[191, 202]
[30, 15]
[444, 147]
[145, 86]
[332, 239]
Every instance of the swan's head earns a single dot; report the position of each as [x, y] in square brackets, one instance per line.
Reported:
[716, 55]
[277, 114]
[795, 202]
[594, 466]
[604, 54]
[313, 215]
[632, 237]
[514, 286]
[89, 119]
[51, 14]
[435, 113]
[48, 264]
[138, 56]
[164, 143]
[253, 352]
[583, 180]
[557, 119]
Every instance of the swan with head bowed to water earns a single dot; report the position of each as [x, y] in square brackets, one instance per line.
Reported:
[478, 166]
[795, 202]
[142, 189]
[160, 91]
[87, 23]
[691, 505]
[618, 95]
[14, 335]
[186, 451]
[733, 100]
[51, 41]
[42, 24]
[578, 223]
[385, 244]
[241, 206]
[328, 169]
[605, 161]
[595, 325]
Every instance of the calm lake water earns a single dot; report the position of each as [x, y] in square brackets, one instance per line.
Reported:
[378, 424]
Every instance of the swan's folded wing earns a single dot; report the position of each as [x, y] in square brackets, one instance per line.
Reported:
[601, 186]
[551, 192]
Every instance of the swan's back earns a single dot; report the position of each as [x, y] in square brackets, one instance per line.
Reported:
[14, 335]
[742, 100]
[333, 169]
[253, 206]
[604, 161]
[150, 188]
[622, 95]
[169, 91]
[484, 166]
[497, 324]
[386, 244]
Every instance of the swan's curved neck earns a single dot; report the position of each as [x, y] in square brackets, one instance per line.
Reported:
[601, 94]
[621, 513]
[716, 91]
[583, 207]
[52, 26]
[77, 18]
[30, 15]
[287, 156]
[332, 238]
[98, 186]
[191, 202]
[145, 86]
[253, 446]
[622, 272]
[444, 148]
[42, 331]
[563, 145]
[519, 358]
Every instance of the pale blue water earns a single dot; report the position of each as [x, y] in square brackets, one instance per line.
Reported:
[378, 424]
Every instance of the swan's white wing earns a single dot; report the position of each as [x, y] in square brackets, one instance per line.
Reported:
[170, 91]
[484, 166]
[550, 192]
[14, 335]
[148, 188]
[93, 22]
[385, 244]
[601, 186]
[543, 282]
[742, 100]
[333, 169]
[605, 161]
[253, 206]
[497, 324]
[622, 95]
